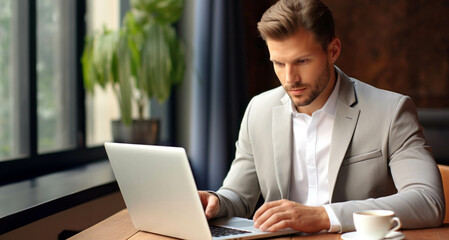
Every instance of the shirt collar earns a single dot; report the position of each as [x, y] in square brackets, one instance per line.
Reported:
[330, 107]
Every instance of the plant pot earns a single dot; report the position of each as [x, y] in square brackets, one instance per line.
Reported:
[139, 132]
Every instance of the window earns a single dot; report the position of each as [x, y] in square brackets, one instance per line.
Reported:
[47, 123]
[14, 109]
[42, 110]
[101, 107]
[56, 75]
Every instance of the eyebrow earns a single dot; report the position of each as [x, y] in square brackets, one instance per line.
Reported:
[294, 60]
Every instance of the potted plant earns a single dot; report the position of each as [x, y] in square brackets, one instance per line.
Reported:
[142, 59]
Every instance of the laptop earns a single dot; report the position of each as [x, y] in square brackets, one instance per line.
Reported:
[160, 193]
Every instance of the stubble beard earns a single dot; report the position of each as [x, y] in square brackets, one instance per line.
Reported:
[316, 90]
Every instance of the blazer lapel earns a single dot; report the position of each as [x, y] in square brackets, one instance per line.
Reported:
[282, 145]
[346, 118]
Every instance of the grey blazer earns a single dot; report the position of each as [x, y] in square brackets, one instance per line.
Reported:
[378, 157]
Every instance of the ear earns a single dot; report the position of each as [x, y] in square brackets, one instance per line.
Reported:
[333, 50]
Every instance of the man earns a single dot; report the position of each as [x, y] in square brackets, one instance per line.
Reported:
[325, 145]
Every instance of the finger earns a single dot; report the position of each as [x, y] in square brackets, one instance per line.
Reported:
[278, 226]
[276, 218]
[263, 209]
[203, 197]
[268, 214]
[212, 207]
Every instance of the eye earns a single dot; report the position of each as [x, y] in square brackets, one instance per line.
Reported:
[279, 64]
[302, 61]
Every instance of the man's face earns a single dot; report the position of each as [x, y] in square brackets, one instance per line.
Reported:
[304, 70]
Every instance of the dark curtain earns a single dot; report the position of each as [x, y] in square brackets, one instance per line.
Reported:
[218, 91]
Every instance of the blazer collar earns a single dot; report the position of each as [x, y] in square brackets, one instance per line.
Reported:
[345, 122]
[282, 145]
[347, 94]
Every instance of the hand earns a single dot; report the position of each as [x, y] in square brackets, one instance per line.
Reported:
[211, 204]
[273, 216]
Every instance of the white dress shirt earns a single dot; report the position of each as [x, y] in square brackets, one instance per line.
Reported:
[311, 148]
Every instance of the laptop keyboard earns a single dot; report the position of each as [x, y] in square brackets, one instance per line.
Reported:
[218, 231]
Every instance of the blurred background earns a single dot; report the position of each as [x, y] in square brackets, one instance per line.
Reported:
[49, 123]
[54, 173]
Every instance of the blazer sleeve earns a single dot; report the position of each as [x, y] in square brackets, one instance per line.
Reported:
[240, 191]
[419, 201]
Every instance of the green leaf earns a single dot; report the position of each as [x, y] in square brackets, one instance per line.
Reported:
[104, 47]
[124, 80]
[160, 62]
[162, 11]
[176, 55]
[88, 70]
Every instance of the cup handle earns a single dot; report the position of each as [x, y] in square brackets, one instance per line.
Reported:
[398, 224]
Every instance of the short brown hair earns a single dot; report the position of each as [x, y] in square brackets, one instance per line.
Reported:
[285, 17]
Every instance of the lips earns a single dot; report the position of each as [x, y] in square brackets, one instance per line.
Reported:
[297, 91]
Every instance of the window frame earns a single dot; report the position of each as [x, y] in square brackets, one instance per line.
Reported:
[35, 164]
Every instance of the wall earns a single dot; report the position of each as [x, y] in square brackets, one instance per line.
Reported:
[402, 46]
[397, 45]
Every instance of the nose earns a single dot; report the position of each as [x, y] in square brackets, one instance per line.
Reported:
[291, 75]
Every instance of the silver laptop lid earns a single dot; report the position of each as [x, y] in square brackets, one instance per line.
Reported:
[148, 177]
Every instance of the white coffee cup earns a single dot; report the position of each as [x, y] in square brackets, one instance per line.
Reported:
[375, 224]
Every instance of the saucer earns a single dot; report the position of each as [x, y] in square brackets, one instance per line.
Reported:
[355, 236]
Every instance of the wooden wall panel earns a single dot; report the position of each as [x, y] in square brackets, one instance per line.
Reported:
[399, 45]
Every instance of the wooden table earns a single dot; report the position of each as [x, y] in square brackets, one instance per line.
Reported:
[119, 227]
